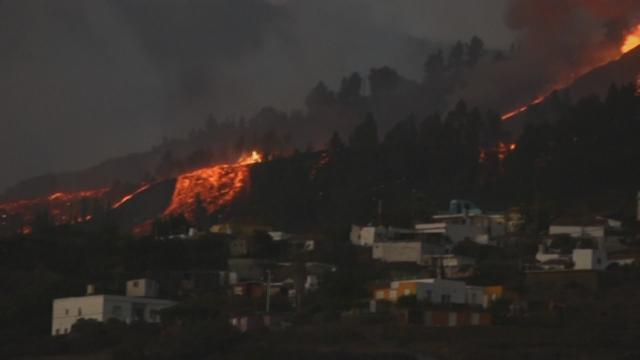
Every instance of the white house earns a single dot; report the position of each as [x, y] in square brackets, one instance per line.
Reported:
[582, 259]
[435, 291]
[440, 291]
[135, 306]
[479, 228]
[598, 228]
[453, 266]
[368, 235]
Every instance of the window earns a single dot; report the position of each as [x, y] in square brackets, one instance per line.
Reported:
[57, 331]
[66, 330]
[66, 311]
[79, 311]
[135, 284]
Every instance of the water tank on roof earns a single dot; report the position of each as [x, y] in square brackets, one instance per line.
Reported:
[463, 207]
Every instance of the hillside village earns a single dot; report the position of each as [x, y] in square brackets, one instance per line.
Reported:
[466, 268]
[483, 205]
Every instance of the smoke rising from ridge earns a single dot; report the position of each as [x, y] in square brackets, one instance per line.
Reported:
[557, 41]
[87, 80]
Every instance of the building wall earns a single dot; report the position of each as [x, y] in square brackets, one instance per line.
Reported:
[363, 235]
[398, 251]
[476, 296]
[404, 288]
[248, 269]
[69, 310]
[596, 232]
[369, 235]
[439, 291]
[589, 259]
[142, 288]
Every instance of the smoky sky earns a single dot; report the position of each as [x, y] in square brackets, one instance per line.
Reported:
[82, 81]
[556, 41]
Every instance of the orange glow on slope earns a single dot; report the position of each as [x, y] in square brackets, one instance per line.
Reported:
[632, 41]
[63, 207]
[216, 186]
[522, 109]
[130, 196]
[502, 150]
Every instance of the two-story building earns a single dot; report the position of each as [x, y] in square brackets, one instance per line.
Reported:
[139, 304]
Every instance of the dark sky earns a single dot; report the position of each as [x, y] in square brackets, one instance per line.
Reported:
[81, 81]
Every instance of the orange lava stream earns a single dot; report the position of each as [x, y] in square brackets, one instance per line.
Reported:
[631, 41]
[63, 207]
[216, 186]
[130, 196]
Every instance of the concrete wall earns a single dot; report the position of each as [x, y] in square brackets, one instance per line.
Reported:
[366, 235]
[398, 251]
[589, 259]
[476, 296]
[596, 232]
[439, 291]
[142, 288]
[69, 310]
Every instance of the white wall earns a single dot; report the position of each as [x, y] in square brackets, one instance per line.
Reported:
[589, 259]
[142, 288]
[433, 290]
[69, 310]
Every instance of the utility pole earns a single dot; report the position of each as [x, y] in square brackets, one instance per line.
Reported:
[268, 291]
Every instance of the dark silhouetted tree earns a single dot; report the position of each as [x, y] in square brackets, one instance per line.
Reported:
[365, 135]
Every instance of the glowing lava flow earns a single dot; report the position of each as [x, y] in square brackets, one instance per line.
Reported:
[63, 207]
[130, 196]
[631, 41]
[215, 186]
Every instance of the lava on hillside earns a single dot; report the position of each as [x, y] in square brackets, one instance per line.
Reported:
[213, 187]
[630, 42]
[62, 207]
